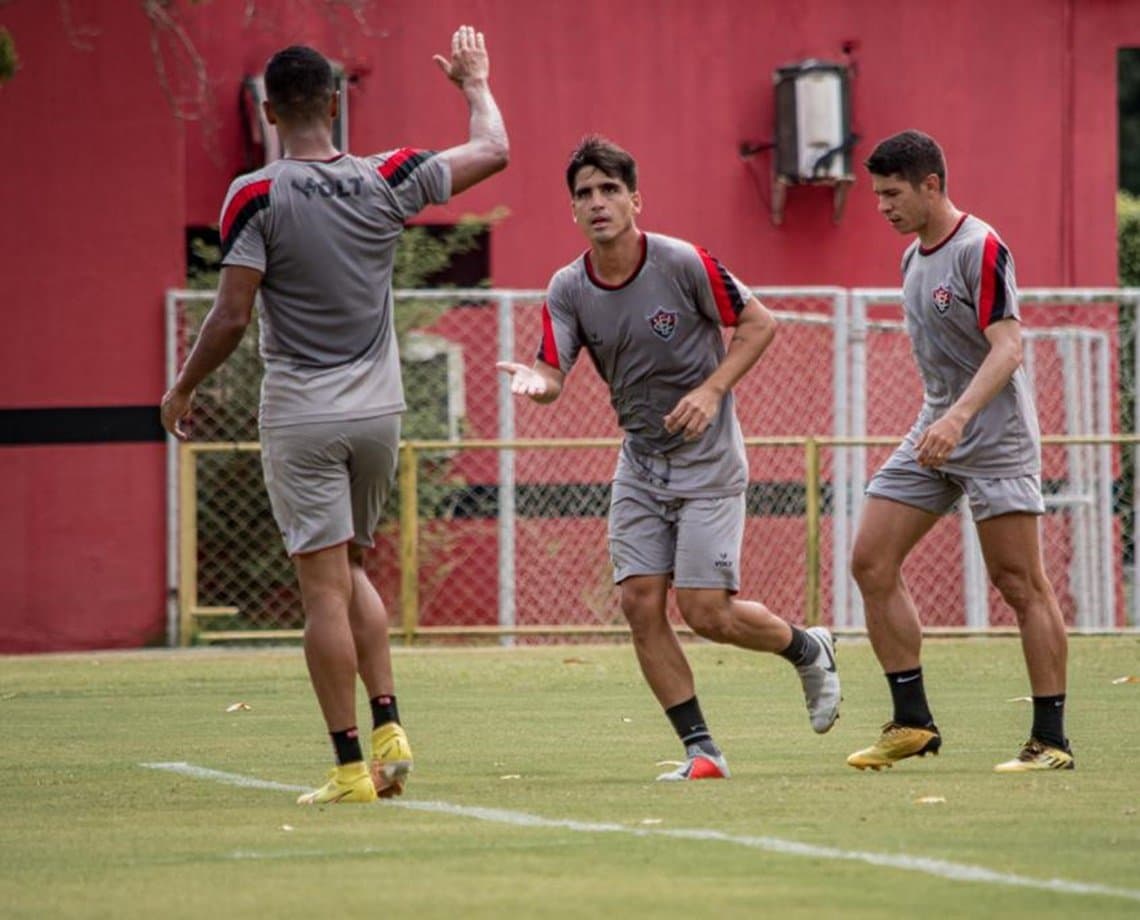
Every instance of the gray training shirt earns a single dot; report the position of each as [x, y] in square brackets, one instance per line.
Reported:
[324, 234]
[653, 339]
[951, 294]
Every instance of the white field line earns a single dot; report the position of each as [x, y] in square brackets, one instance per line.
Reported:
[939, 868]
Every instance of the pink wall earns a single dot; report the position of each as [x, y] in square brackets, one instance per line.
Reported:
[92, 205]
[83, 558]
[1030, 139]
[99, 181]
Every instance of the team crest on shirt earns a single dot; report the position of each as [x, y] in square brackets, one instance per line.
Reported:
[663, 323]
[943, 297]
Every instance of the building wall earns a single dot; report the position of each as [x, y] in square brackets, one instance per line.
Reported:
[99, 180]
[92, 206]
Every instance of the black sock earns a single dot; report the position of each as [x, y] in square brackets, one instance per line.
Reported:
[909, 698]
[347, 746]
[1049, 720]
[689, 724]
[802, 649]
[384, 710]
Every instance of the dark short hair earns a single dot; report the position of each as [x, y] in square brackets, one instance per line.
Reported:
[606, 157]
[299, 83]
[910, 154]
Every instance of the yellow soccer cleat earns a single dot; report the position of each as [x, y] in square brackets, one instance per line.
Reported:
[349, 782]
[897, 742]
[391, 759]
[1038, 756]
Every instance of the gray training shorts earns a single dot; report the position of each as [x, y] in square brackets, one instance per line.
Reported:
[696, 539]
[328, 481]
[904, 479]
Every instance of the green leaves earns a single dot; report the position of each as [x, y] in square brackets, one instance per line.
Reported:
[9, 60]
[1128, 239]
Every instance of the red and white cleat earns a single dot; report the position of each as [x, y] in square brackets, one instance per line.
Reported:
[700, 765]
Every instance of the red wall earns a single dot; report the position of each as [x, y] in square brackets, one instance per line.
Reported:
[99, 180]
[93, 207]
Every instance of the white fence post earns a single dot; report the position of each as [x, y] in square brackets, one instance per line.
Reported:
[506, 492]
[840, 470]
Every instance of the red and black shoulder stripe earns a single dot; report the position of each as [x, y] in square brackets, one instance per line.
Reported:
[548, 346]
[993, 300]
[402, 163]
[729, 303]
[241, 208]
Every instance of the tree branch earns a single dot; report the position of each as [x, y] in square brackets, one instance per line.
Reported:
[77, 35]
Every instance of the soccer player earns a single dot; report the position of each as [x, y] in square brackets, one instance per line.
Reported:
[976, 434]
[648, 309]
[316, 232]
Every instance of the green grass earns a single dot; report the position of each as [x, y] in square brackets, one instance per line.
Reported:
[564, 733]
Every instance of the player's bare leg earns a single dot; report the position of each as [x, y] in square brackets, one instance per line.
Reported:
[719, 616]
[369, 620]
[667, 671]
[887, 533]
[330, 653]
[391, 753]
[1012, 550]
[326, 589]
[662, 660]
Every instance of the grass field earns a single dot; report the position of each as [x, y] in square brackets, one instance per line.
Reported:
[534, 796]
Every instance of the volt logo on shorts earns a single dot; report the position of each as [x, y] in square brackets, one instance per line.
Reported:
[722, 562]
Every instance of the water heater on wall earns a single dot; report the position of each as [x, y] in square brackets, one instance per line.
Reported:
[813, 130]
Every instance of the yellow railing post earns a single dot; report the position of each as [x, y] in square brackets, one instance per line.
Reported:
[187, 541]
[409, 542]
[812, 512]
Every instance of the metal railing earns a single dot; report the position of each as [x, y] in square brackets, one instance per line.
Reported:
[837, 385]
[192, 614]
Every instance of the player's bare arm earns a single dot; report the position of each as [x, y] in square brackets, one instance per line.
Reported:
[542, 383]
[221, 332]
[939, 440]
[695, 411]
[487, 150]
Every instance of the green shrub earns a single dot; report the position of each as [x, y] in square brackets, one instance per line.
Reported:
[9, 60]
[1128, 239]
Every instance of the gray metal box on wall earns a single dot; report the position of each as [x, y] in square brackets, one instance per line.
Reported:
[813, 122]
[813, 131]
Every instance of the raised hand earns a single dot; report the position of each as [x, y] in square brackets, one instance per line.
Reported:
[469, 61]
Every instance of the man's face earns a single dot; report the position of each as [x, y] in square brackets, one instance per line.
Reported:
[602, 206]
[905, 207]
